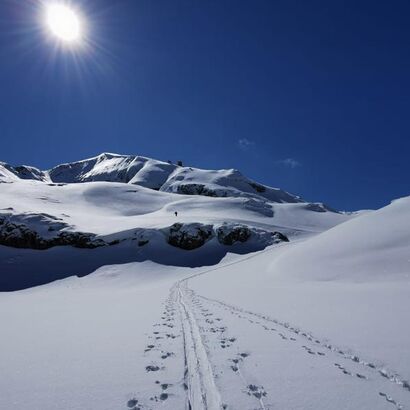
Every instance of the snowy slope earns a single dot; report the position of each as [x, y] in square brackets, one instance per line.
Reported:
[118, 212]
[375, 246]
[114, 168]
[222, 183]
[9, 173]
[256, 331]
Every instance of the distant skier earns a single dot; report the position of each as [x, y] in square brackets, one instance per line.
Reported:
[176, 213]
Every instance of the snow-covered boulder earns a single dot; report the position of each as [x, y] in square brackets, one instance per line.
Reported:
[279, 237]
[229, 234]
[261, 207]
[189, 236]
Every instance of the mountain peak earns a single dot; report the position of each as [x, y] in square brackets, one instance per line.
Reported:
[153, 174]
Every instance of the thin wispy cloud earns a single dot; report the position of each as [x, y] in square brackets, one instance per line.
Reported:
[245, 144]
[289, 163]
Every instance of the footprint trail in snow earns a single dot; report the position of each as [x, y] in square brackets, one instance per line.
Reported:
[205, 354]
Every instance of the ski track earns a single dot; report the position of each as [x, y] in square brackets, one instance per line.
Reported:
[201, 389]
[219, 332]
[197, 375]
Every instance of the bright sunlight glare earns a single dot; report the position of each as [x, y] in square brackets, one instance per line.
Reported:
[63, 22]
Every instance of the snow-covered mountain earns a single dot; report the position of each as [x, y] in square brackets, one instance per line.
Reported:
[9, 173]
[128, 208]
[154, 174]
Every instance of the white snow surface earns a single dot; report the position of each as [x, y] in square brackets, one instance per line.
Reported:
[373, 247]
[318, 323]
[105, 208]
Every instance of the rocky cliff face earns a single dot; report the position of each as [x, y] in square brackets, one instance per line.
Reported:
[194, 235]
[43, 231]
[34, 231]
[9, 173]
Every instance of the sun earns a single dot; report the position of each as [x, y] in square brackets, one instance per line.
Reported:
[63, 22]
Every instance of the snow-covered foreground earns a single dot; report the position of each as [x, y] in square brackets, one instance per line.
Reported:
[273, 329]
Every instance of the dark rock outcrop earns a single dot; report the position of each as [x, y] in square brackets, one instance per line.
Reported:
[189, 236]
[43, 231]
[20, 235]
[257, 187]
[279, 237]
[319, 207]
[261, 207]
[228, 235]
[197, 189]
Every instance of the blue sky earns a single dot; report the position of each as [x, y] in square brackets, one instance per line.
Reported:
[309, 96]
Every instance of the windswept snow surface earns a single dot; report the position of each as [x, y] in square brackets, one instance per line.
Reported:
[374, 247]
[280, 328]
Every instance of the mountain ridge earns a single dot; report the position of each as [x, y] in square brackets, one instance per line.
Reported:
[154, 174]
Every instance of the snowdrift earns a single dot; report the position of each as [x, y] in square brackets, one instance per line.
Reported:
[374, 246]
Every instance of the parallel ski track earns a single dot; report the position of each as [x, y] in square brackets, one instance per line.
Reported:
[202, 393]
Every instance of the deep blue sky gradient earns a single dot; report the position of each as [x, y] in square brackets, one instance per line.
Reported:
[309, 96]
